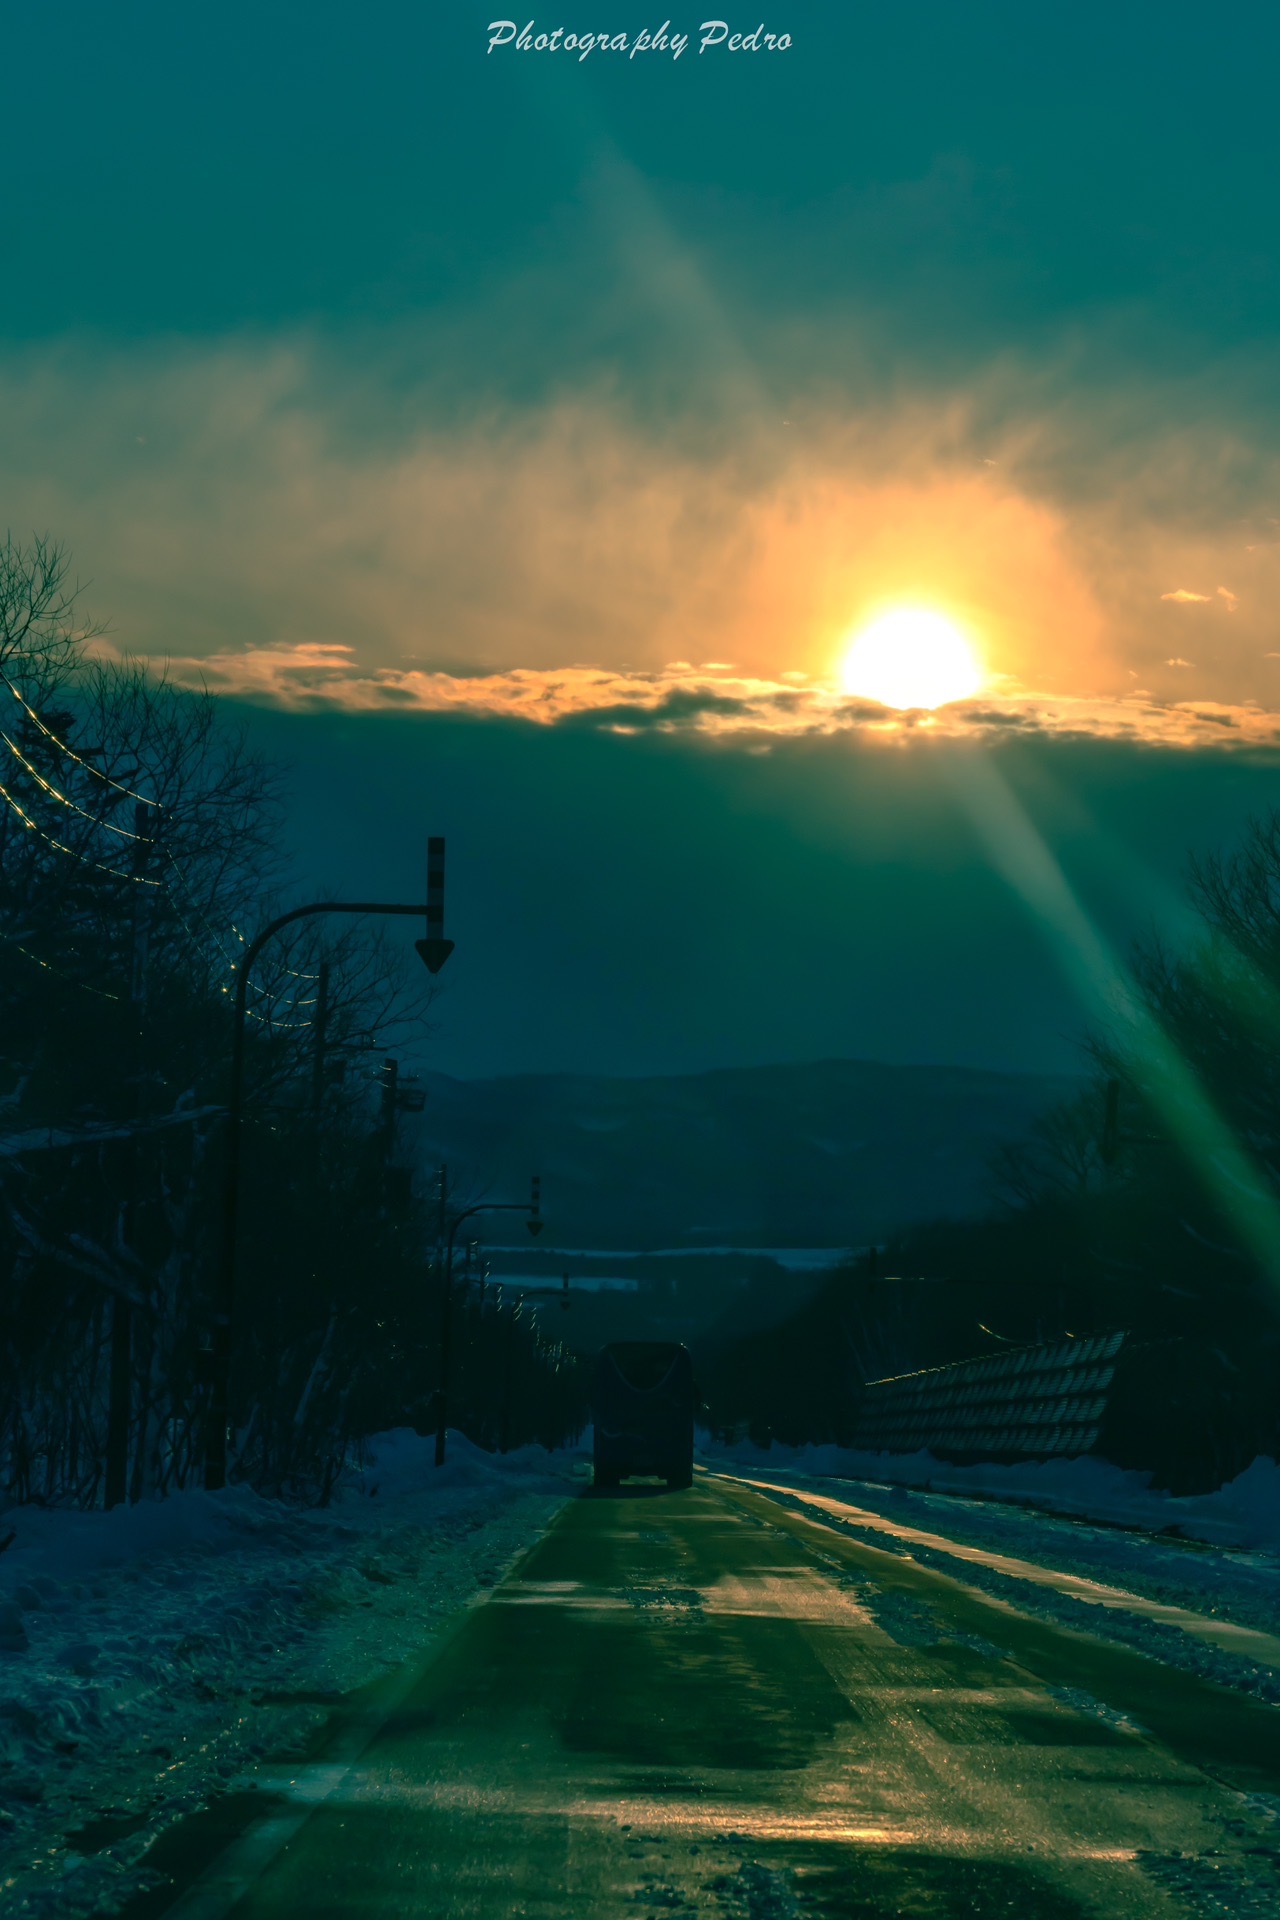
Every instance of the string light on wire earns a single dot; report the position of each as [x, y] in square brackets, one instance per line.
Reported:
[66, 799]
[117, 873]
[70, 752]
[99, 993]
[216, 937]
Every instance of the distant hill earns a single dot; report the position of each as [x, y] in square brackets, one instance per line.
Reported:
[833, 1154]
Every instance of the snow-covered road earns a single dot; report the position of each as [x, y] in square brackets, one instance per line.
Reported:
[705, 1703]
[152, 1656]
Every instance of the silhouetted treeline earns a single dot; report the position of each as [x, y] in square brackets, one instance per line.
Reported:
[1150, 1203]
[139, 849]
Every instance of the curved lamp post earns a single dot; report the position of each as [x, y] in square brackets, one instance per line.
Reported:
[533, 1207]
[433, 951]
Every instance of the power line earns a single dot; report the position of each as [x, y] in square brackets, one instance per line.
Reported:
[232, 964]
[214, 935]
[83, 986]
[70, 752]
[57, 794]
[117, 873]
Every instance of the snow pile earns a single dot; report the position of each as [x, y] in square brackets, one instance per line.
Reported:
[1218, 1589]
[147, 1654]
[1245, 1513]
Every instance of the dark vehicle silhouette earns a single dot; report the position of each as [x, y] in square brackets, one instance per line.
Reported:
[644, 1404]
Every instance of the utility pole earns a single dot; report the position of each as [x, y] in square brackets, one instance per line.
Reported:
[400, 1094]
[532, 1208]
[319, 1063]
[390, 1084]
[119, 1382]
[442, 1232]
[320, 1040]
[442, 1216]
[508, 1377]
[433, 951]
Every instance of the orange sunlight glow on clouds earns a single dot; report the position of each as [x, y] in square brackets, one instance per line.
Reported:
[713, 699]
[565, 560]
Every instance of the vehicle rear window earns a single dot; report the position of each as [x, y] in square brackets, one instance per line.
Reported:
[644, 1364]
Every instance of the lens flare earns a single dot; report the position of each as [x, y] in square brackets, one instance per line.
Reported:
[911, 657]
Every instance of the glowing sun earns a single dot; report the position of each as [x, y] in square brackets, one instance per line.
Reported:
[910, 657]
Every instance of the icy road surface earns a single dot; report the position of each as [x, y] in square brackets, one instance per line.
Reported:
[715, 1703]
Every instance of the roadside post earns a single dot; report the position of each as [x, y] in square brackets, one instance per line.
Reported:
[532, 1207]
[433, 951]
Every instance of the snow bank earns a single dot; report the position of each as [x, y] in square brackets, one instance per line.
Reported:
[1245, 1513]
[148, 1654]
[64, 1544]
[1151, 1549]
[402, 1462]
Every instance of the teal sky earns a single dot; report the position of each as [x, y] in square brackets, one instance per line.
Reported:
[639, 907]
[980, 173]
[523, 438]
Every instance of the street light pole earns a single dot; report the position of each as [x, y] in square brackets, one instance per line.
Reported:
[434, 951]
[533, 1207]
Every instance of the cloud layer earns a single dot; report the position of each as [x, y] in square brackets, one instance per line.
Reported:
[300, 526]
[711, 700]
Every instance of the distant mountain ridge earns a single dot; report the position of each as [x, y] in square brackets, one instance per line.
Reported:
[832, 1153]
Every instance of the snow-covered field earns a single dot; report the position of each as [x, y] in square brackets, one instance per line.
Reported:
[1220, 1564]
[147, 1656]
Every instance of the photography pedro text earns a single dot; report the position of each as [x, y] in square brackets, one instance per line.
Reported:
[711, 34]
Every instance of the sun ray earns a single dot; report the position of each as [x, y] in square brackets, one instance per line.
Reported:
[1225, 1162]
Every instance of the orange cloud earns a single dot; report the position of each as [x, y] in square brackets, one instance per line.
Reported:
[712, 703]
[237, 505]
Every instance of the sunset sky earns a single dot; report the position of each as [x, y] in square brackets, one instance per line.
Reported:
[523, 441]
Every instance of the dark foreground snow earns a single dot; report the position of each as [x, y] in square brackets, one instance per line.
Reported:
[148, 1655]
